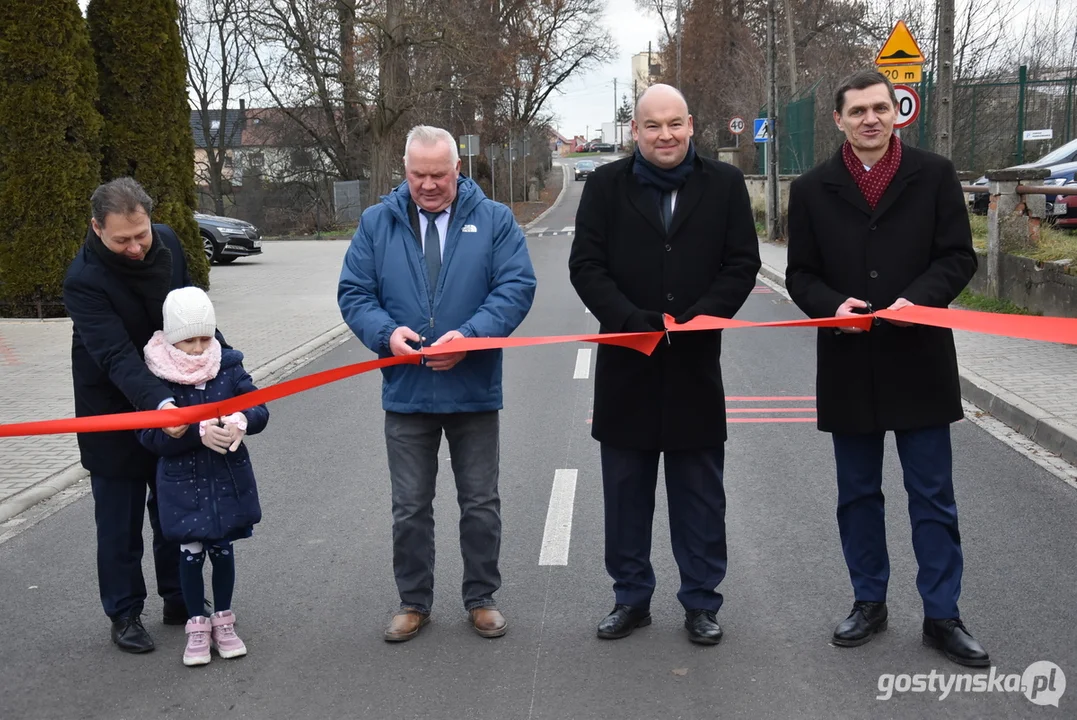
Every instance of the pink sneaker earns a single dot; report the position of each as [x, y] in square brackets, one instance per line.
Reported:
[198, 639]
[225, 639]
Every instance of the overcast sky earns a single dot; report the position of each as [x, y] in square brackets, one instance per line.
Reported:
[588, 99]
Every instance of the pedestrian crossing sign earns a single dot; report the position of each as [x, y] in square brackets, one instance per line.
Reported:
[761, 130]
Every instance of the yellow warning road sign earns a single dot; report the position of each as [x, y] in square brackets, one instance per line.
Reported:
[900, 48]
[902, 73]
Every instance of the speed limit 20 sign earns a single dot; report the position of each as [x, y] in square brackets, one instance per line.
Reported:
[908, 106]
[736, 125]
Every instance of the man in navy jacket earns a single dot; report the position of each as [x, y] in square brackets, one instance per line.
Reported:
[435, 261]
[114, 291]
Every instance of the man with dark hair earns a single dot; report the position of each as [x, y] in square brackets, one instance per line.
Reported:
[663, 231]
[114, 291]
[881, 225]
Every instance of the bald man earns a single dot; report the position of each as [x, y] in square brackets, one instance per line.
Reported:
[663, 231]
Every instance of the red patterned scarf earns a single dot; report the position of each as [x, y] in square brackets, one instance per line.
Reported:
[873, 183]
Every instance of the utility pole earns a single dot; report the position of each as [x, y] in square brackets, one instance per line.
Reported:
[615, 123]
[680, 11]
[944, 110]
[774, 207]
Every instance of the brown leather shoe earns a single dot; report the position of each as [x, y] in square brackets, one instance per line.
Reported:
[405, 625]
[488, 622]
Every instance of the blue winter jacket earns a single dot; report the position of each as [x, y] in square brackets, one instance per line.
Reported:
[485, 289]
[201, 494]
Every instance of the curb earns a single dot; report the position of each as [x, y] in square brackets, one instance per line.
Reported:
[1039, 426]
[266, 373]
[557, 200]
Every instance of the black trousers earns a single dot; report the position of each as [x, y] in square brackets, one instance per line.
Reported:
[696, 499]
[119, 506]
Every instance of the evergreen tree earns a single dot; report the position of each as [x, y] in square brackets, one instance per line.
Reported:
[142, 72]
[49, 149]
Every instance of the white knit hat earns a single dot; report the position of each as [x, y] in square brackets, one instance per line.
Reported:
[188, 313]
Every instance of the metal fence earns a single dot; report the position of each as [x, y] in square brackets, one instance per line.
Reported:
[796, 134]
[990, 119]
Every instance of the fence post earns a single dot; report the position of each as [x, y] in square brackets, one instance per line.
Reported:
[1022, 79]
[1009, 218]
[972, 133]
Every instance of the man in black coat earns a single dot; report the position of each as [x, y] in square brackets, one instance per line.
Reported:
[882, 225]
[663, 231]
[114, 291]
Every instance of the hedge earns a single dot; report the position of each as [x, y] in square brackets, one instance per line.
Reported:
[49, 149]
[142, 71]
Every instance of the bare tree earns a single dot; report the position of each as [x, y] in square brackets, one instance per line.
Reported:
[218, 61]
[549, 42]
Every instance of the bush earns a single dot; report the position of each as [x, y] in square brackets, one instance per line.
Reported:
[147, 133]
[49, 149]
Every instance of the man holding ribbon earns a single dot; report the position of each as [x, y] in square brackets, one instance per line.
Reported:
[435, 261]
[884, 225]
[114, 292]
[664, 231]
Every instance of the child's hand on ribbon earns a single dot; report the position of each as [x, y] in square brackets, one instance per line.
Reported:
[214, 436]
[236, 425]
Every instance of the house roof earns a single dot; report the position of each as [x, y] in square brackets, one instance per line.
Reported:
[233, 128]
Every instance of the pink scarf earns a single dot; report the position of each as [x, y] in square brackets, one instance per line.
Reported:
[168, 362]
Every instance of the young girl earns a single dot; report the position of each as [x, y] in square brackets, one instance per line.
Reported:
[206, 494]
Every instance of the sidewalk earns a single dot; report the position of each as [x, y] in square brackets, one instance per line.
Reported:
[1030, 386]
[278, 308]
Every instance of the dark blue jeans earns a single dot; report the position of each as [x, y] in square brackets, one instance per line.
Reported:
[696, 499]
[119, 506]
[412, 441]
[927, 464]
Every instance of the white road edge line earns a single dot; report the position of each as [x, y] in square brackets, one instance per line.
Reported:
[558, 533]
[583, 364]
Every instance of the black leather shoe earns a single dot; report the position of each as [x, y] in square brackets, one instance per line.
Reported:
[622, 621]
[955, 642]
[866, 619]
[130, 636]
[175, 614]
[703, 627]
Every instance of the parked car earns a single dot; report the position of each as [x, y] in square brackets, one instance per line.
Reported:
[605, 147]
[1054, 161]
[225, 239]
[584, 168]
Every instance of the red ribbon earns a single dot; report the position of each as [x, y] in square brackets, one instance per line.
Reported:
[1047, 329]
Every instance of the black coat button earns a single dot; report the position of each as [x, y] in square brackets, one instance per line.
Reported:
[668, 247]
[873, 227]
[877, 322]
[873, 274]
[669, 297]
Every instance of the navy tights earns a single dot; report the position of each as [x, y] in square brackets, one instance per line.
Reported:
[192, 558]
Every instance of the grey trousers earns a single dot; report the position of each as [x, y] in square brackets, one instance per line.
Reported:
[412, 441]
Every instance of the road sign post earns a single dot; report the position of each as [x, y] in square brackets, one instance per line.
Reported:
[469, 145]
[491, 153]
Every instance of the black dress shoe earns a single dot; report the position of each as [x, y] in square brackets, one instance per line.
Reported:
[130, 636]
[866, 619]
[622, 621]
[703, 627]
[175, 614]
[955, 642]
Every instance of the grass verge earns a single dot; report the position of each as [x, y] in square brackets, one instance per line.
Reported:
[971, 301]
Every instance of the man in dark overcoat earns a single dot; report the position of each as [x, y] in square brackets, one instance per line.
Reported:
[663, 231]
[114, 291]
[883, 225]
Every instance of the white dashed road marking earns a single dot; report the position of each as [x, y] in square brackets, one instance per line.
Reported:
[558, 533]
[583, 364]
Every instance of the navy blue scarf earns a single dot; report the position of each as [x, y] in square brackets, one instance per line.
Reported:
[661, 179]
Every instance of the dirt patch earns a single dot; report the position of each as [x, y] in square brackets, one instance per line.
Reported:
[525, 212]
